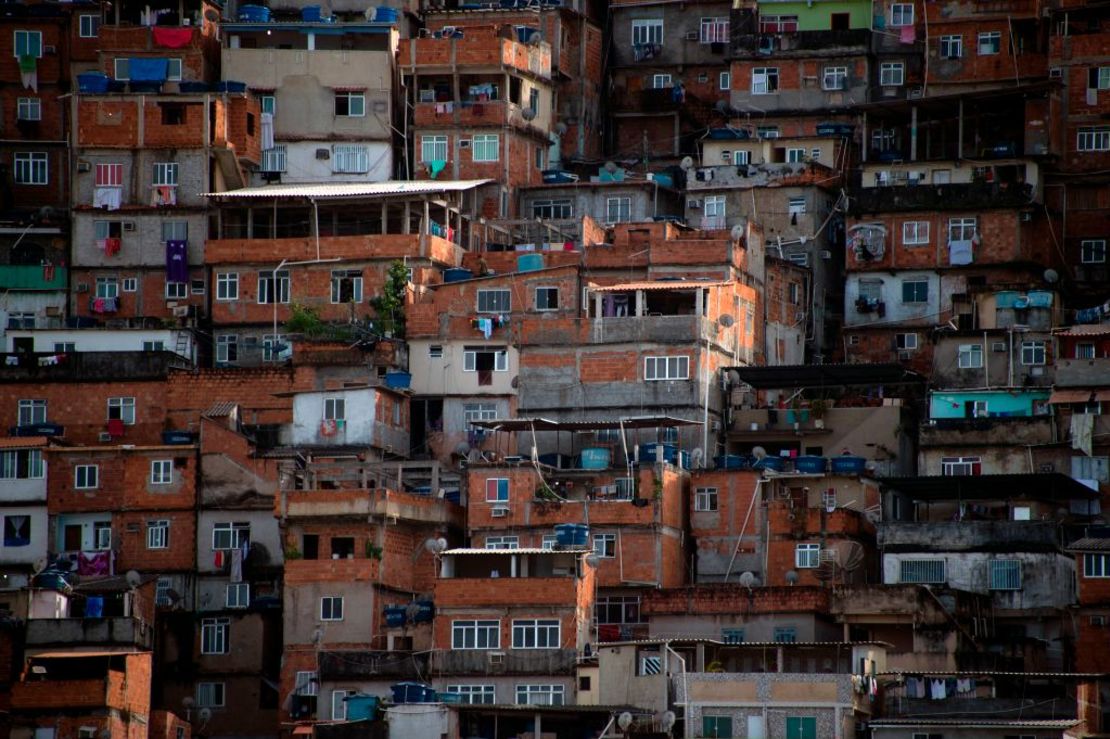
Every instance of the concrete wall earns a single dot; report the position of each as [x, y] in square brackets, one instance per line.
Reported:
[622, 685]
[108, 340]
[36, 550]
[302, 164]
[445, 375]
[372, 418]
[890, 293]
[138, 176]
[31, 302]
[998, 368]
[301, 612]
[85, 521]
[950, 403]
[142, 247]
[1047, 580]
[264, 531]
[417, 720]
[759, 627]
[645, 201]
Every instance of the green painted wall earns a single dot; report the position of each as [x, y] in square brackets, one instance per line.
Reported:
[815, 16]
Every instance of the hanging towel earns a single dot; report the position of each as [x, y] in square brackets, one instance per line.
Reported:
[94, 563]
[218, 559]
[142, 69]
[1082, 432]
[107, 197]
[237, 565]
[172, 38]
[47, 272]
[177, 261]
[485, 325]
[28, 71]
[960, 252]
[115, 427]
[163, 195]
[267, 130]
[436, 166]
[908, 35]
[111, 246]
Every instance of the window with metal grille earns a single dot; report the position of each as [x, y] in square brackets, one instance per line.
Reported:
[807, 556]
[274, 160]
[1005, 574]
[158, 534]
[926, 571]
[350, 159]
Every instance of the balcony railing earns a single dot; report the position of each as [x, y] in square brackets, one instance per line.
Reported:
[507, 662]
[968, 196]
[801, 43]
[68, 694]
[967, 535]
[122, 631]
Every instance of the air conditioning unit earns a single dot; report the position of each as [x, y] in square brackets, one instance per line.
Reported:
[826, 254]
[447, 31]
[128, 225]
[464, 143]
[496, 658]
[323, 154]
[103, 436]
[1036, 371]
[998, 346]
[691, 35]
[181, 311]
[694, 204]
[81, 287]
[427, 96]
[84, 166]
[1056, 73]
[250, 341]
[499, 512]
[133, 527]
[914, 93]
[49, 50]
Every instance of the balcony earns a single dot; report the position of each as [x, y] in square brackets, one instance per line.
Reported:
[1016, 430]
[366, 246]
[363, 665]
[378, 503]
[965, 196]
[650, 329]
[475, 592]
[130, 632]
[1083, 372]
[301, 571]
[90, 366]
[473, 113]
[58, 695]
[32, 277]
[952, 536]
[509, 662]
[474, 48]
[801, 44]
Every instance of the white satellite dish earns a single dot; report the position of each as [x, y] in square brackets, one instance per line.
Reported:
[187, 702]
[624, 721]
[592, 559]
[737, 232]
[560, 128]
[687, 163]
[436, 546]
[134, 579]
[528, 114]
[696, 457]
[791, 577]
[666, 721]
[759, 452]
[747, 579]
[610, 167]
[1051, 275]
[205, 713]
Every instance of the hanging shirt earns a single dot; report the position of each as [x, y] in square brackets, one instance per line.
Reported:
[177, 262]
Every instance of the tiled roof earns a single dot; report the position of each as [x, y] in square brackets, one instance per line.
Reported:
[1090, 543]
[22, 442]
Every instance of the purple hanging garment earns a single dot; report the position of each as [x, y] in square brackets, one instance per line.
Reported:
[177, 261]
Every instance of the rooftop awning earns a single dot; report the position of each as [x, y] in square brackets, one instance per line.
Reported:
[1070, 396]
[1037, 486]
[547, 424]
[350, 190]
[818, 375]
[657, 285]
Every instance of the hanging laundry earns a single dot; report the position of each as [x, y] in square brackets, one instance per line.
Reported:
[115, 427]
[28, 72]
[112, 245]
[163, 195]
[148, 69]
[94, 563]
[436, 166]
[218, 559]
[47, 272]
[1082, 432]
[177, 261]
[267, 130]
[485, 325]
[908, 35]
[960, 251]
[107, 197]
[937, 690]
[172, 38]
[11, 361]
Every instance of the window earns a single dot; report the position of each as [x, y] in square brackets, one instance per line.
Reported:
[161, 471]
[905, 342]
[915, 233]
[548, 541]
[28, 43]
[605, 545]
[536, 633]
[990, 42]
[1084, 351]
[485, 147]
[961, 229]
[474, 694]
[1096, 565]
[495, 301]
[796, 206]
[796, 156]
[102, 535]
[479, 411]
[1033, 352]
[502, 542]
[971, 356]
[951, 47]
[162, 588]
[497, 489]
[214, 633]
[237, 595]
[130, 284]
[716, 726]
[32, 412]
[267, 104]
[1092, 251]
[539, 695]
[350, 159]
[435, 351]
[618, 210]
[647, 32]
[767, 132]
[802, 727]
[666, 368]
[177, 290]
[28, 109]
[835, 78]
[807, 556]
[158, 534]
[1005, 574]
[210, 695]
[21, 319]
[350, 104]
[927, 571]
[175, 231]
[122, 409]
[765, 80]
[1093, 138]
[22, 464]
[268, 291]
[618, 609]
[331, 608]
[305, 682]
[274, 160]
[724, 81]
[661, 81]
[475, 634]
[714, 30]
[778, 23]
[165, 174]
[915, 291]
[31, 168]
[892, 74]
[715, 206]
[86, 476]
[552, 209]
[547, 298]
[481, 360]
[17, 531]
[539, 159]
[705, 499]
[785, 634]
[961, 466]
[227, 348]
[433, 149]
[901, 14]
[732, 636]
[230, 535]
[107, 287]
[346, 286]
[339, 705]
[227, 286]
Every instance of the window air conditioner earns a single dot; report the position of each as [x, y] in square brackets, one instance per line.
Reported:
[691, 35]
[128, 225]
[499, 512]
[496, 658]
[694, 204]
[104, 436]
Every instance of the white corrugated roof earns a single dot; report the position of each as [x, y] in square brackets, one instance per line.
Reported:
[524, 550]
[351, 189]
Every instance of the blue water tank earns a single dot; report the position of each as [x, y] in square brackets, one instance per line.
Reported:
[411, 693]
[731, 462]
[398, 380]
[311, 14]
[811, 464]
[94, 606]
[362, 707]
[425, 612]
[848, 465]
[595, 458]
[395, 616]
[92, 82]
[529, 262]
[254, 14]
[776, 464]
[457, 274]
[383, 14]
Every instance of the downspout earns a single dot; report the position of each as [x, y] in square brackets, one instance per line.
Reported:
[685, 692]
[740, 537]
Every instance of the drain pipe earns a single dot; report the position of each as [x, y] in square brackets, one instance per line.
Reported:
[740, 537]
[685, 693]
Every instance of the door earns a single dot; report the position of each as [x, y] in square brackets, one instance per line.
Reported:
[311, 546]
[839, 21]
[23, 344]
[72, 538]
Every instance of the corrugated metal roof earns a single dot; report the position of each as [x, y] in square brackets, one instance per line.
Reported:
[23, 442]
[753, 644]
[341, 190]
[221, 409]
[547, 424]
[972, 723]
[658, 285]
[1088, 544]
[524, 550]
[993, 673]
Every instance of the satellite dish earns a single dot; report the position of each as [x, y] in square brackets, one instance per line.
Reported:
[134, 579]
[535, 39]
[687, 163]
[725, 320]
[462, 449]
[187, 702]
[791, 577]
[733, 377]
[737, 232]
[211, 16]
[515, 382]
[528, 114]
[759, 452]
[747, 579]
[1051, 275]
[610, 167]
[721, 106]
[624, 721]
[560, 128]
[435, 546]
[41, 564]
[205, 714]
[474, 456]
[696, 457]
[592, 559]
[666, 721]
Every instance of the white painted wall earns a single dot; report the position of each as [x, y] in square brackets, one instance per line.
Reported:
[104, 340]
[445, 375]
[264, 531]
[359, 412]
[301, 164]
[85, 521]
[1047, 579]
[891, 294]
[39, 536]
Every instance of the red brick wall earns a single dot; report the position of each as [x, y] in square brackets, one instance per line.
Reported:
[188, 394]
[148, 302]
[732, 599]
[1092, 589]
[83, 408]
[878, 345]
[133, 554]
[124, 479]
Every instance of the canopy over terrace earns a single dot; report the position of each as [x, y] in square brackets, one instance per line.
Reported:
[441, 208]
[623, 435]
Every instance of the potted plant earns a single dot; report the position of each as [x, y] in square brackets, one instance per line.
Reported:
[373, 551]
